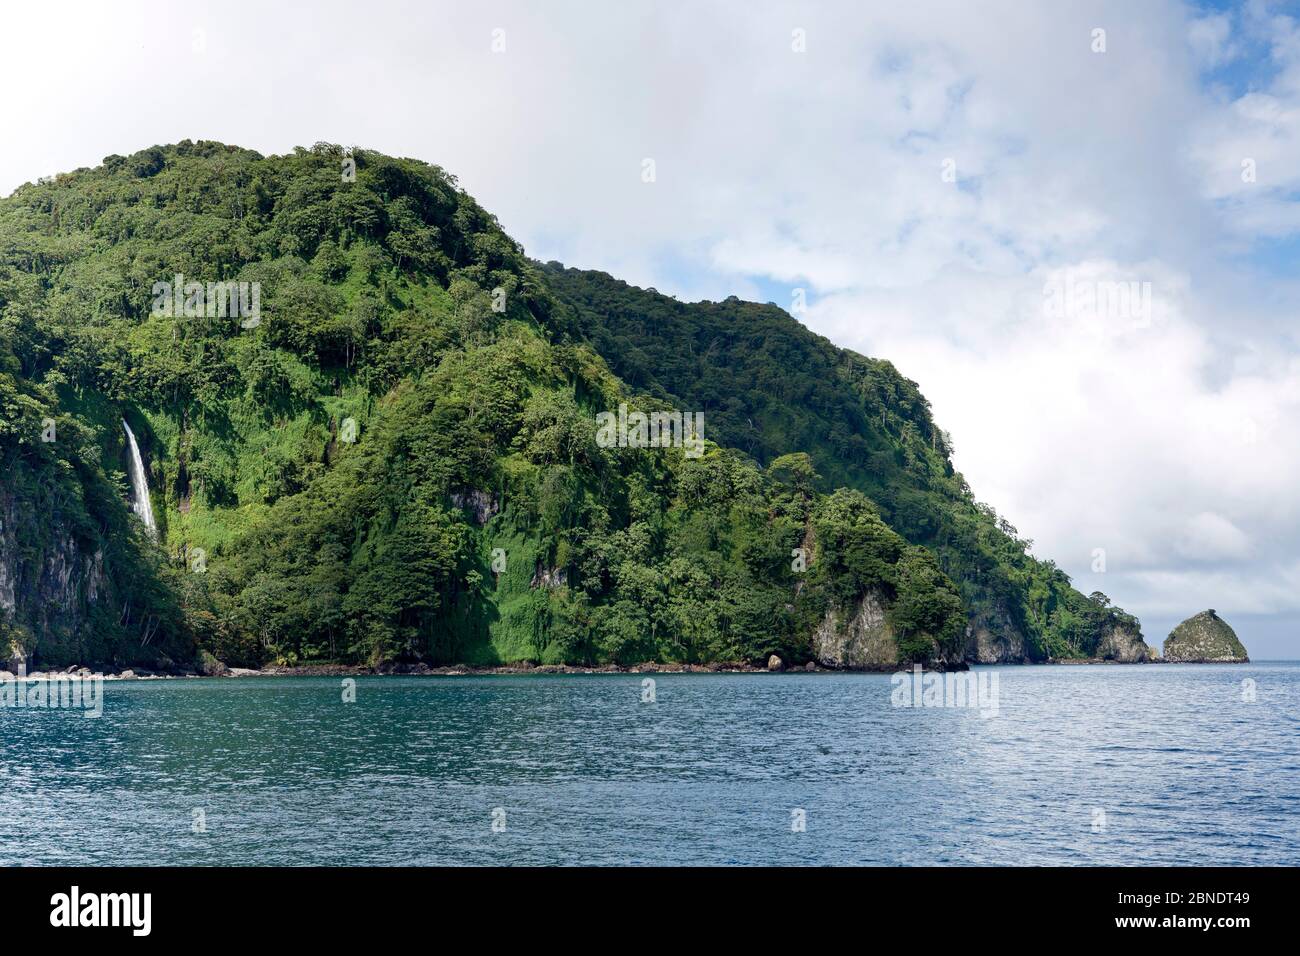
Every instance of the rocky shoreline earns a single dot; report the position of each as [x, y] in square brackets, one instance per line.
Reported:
[399, 670]
[465, 670]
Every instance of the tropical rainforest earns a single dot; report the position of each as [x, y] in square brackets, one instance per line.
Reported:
[397, 461]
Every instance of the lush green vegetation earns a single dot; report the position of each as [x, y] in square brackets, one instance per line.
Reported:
[767, 384]
[399, 461]
[60, 512]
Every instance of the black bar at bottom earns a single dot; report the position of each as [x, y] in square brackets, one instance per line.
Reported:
[309, 904]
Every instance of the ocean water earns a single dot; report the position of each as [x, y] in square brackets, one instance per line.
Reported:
[1089, 764]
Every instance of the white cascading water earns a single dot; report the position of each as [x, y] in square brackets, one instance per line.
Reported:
[139, 485]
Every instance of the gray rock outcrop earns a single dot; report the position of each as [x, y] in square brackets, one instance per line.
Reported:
[863, 639]
[1124, 646]
[1205, 638]
[995, 639]
[480, 504]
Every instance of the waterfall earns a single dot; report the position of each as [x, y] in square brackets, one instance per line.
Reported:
[139, 484]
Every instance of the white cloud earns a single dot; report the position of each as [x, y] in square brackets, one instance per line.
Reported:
[1212, 537]
[1211, 40]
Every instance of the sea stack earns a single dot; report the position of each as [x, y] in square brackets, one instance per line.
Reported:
[1204, 638]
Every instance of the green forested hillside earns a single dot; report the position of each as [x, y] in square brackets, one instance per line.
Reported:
[767, 384]
[397, 460]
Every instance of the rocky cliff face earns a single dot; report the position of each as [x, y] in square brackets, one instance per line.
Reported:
[481, 504]
[995, 639]
[861, 638]
[1204, 638]
[1124, 646]
[77, 587]
[550, 578]
[44, 592]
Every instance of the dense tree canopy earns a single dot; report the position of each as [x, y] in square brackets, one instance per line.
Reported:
[768, 385]
[398, 459]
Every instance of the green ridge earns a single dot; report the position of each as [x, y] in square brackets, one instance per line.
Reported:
[417, 394]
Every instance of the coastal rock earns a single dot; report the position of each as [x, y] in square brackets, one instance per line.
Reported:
[993, 638]
[61, 581]
[1124, 646]
[774, 663]
[1204, 638]
[209, 666]
[864, 640]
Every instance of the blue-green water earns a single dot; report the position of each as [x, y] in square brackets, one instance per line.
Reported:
[1181, 767]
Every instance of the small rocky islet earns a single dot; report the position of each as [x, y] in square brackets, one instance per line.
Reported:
[1204, 638]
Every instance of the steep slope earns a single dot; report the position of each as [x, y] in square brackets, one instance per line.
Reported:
[371, 434]
[767, 384]
[78, 576]
[1205, 638]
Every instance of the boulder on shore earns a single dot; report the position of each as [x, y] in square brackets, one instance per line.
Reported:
[1204, 638]
[209, 666]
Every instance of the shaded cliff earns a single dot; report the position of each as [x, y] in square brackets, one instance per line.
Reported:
[79, 582]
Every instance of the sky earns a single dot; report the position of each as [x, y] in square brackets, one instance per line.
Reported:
[1075, 226]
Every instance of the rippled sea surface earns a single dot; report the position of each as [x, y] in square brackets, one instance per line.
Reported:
[1081, 765]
